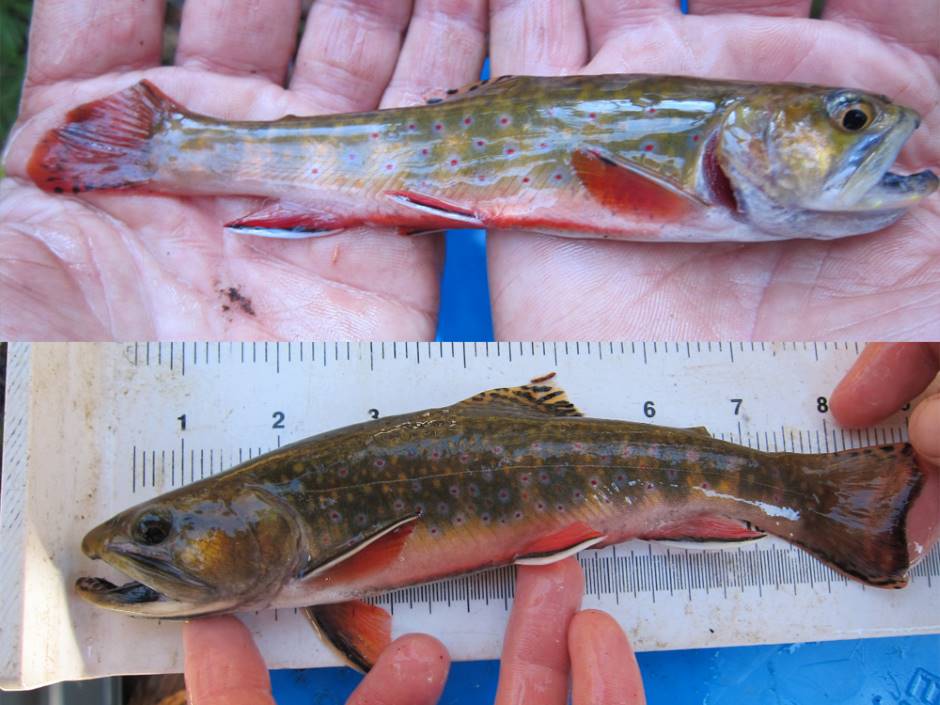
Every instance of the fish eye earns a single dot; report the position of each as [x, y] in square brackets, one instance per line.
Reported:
[855, 116]
[152, 528]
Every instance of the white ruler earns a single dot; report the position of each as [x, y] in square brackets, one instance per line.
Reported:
[94, 428]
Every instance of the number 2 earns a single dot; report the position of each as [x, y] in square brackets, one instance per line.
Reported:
[278, 417]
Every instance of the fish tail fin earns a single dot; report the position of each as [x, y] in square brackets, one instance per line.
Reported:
[105, 144]
[855, 511]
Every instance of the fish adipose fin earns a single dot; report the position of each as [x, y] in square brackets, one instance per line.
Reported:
[281, 219]
[357, 630]
[489, 86]
[539, 397]
[368, 556]
[629, 188]
[560, 544]
[704, 529]
[104, 144]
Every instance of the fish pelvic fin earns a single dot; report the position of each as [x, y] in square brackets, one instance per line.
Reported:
[292, 221]
[630, 188]
[855, 510]
[541, 396]
[105, 144]
[357, 630]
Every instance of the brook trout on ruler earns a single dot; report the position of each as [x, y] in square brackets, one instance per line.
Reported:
[508, 476]
[627, 157]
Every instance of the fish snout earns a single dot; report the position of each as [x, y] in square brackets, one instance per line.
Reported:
[93, 545]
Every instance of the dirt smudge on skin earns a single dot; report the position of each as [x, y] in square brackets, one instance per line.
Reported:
[235, 298]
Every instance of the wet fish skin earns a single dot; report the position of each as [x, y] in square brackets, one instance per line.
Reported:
[630, 157]
[483, 483]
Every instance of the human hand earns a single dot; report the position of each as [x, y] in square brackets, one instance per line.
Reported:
[223, 666]
[883, 285]
[123, 266]
[885, 377]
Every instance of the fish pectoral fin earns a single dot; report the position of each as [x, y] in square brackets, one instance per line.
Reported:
[370, 555]
[630, 188]
[282, 219]
[435, 213]
[560, 544]
[541, 396]
[705, 528]
[357, 630]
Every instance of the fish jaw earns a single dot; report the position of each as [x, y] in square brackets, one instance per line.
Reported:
[138, 600]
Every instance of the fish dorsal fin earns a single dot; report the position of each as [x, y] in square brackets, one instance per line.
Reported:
[539, 397]
[486, 86]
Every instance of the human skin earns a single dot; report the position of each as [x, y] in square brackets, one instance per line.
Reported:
[121, 266]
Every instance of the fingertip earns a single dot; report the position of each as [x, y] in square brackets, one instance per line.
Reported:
[412, 670]
[590, 621]
[604, 669]
[565, 575]
[924, 429]
[222, 664]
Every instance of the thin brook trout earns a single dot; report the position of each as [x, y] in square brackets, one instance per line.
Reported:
[508, 476]
[624, 157]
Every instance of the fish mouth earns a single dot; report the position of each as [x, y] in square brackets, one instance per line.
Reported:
[896, 191]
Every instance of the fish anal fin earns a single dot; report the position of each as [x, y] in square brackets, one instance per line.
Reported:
[357, 630]
[560, 544]
[628, 188]
[367, 557]
[432, 213]
[704, 528]
[541, 396]
[282, 219]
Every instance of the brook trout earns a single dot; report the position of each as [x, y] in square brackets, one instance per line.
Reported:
[508, 476]
[627, 157]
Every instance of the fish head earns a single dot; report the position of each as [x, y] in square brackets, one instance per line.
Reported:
[817, 161]
[190, 553]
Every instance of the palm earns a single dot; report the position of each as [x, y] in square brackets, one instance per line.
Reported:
[881, 285]
[124, 266]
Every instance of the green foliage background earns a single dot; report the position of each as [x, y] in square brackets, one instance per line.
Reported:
[14, 24]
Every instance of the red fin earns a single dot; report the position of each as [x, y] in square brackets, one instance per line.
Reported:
[560, 544]
[372, 559]
[283, 219]
[104, 144]
[438, 214]
[359, 631]
[625, 189]
[705, 528]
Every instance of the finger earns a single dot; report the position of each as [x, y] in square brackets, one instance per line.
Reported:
[605, 19]
[411, 671]
[604, 670]
[914, 23]
[537, 37]
[775, 8]
[924, 429]
[923, 519]
[534, 667]
[884, 378]
[349, 50]
[239, 37]
[444, 48]
[222, 664]
[72, 40]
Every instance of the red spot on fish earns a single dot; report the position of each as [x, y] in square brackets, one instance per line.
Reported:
[524, 478]
[474, 491]
[424, 151]
[543, 476]
[525, 179]
[481, 178]
[467, 120]
[379, 463]
[593, 116]
[480, 143]
[578, 494]
[540, 506]
[504, 495]
[504, 121]
[578, 446]
[559, 507]
[412, 126]
[433, 531]
[497, 450]
[454, 490]
[705, 486]
[652, 110]
[399, 505]
[543, 145]
[453, 162]
[536, 445]
[594, 483]
[695, 138]
[419, 508]
[648, 148]
[342, 472]
[389, 167]
[438, 126]
[443, 508]
[517, 515]
[485, 517]
[375, 135]
[335, 516]
[458, 519]
[650, 486]
[464, 458]
[360, 518]
[435, 455]
[352, 157]
[557, 177]
[510, 150]
[621, 478]
[315, 171]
